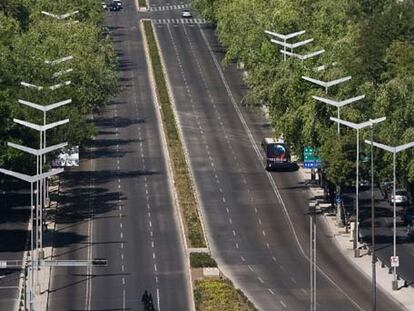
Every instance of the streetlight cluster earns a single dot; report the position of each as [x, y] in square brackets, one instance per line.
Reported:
[276, 38]
[39, 197]
[39, 179]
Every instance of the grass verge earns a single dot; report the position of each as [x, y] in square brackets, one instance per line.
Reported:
[202, 260]
[220, 295]
[182, 179]
[142, 3]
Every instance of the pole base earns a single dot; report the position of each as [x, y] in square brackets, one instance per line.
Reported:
[395, 285]
[357, 253]
[41, 254]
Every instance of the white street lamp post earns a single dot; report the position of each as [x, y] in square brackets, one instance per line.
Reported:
[284, 38]
[327, 84]
[60, 17]
[41, 129]
[34, 255]
[357, 126]
[394, 151]
[40, 88]
[339, 104]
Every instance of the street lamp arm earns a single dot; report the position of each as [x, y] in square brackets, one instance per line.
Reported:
[58, 61]
[315, 81]
[404, 147]
[285, 37]
[327, 100]
[351, 100]
[37, 152]
[381, 146]
[338, 81]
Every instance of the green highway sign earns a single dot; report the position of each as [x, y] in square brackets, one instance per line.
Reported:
[310, 159]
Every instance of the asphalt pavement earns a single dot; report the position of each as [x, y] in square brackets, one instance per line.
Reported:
[256, 222]
[15, 211]
[117, 204]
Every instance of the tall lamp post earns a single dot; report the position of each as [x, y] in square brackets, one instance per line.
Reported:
[39, 170]
[284, 37]
[34, 254]
[394, 151]
[338, 105]
[357, 126]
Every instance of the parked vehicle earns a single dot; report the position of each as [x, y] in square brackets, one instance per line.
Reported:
[104, 6]
[186, 14]
[276, 153]
[400, 198]
[410, 229]
[118, 3]
[408, 216]
[114, 7]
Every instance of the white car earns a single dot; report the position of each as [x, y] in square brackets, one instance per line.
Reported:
[401, 197]
[186, 14]
[104, 6]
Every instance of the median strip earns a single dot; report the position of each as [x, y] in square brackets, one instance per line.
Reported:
[181, 176]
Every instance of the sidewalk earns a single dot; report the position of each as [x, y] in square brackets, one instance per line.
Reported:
[344, 241]
[41, 292]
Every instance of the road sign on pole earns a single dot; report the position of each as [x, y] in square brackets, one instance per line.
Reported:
[310, 159]
[395, 261]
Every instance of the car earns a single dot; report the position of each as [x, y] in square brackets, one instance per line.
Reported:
[410, 229]
[114, 7]
[104, 6]
[386, 188]
[118, 3]
[408, 216]
[186, 14]
[401, 197]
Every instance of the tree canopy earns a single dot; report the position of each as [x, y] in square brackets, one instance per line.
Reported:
[370, 40]
[28, 38]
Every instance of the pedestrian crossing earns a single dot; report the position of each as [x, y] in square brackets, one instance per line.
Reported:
[168, 7]
[179, 21]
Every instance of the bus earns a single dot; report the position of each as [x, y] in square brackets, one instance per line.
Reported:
[276, 152]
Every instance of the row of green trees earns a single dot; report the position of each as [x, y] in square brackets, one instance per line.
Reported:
[371, 40]
[27, 39]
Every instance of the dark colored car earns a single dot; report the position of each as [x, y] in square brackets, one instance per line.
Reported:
[386, 189]
[408, 216]
[114, 7]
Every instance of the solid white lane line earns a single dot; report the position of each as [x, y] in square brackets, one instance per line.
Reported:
[123, 299]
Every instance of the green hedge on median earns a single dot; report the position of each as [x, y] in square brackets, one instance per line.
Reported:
[220, 295]
[202, 260]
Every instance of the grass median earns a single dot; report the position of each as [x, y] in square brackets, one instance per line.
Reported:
[220, 294]
[182, 180]
[142, 3]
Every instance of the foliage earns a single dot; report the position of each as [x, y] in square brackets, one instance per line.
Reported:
[219, 294]
[29, 38]
[202, 260]
[182, 179]
[372, 41]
